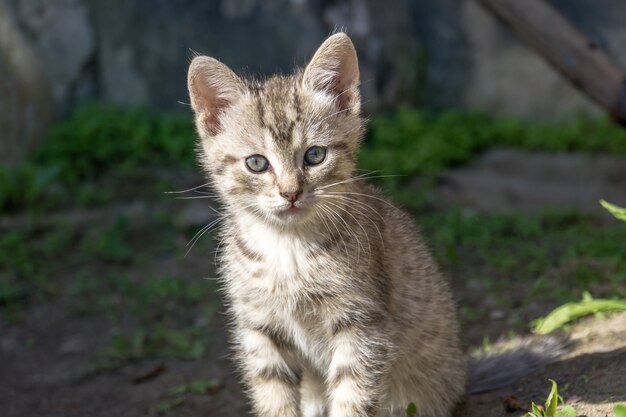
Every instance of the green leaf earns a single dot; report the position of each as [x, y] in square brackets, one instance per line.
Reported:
[201, 386]
[620, 410]
[570, 311]
[553, 399]
[168, 405]
[537, 411]
[618, 212]
[411, 410]
[196, 386]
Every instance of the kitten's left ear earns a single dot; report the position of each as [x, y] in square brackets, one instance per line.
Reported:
[213, 88]
[334, 70]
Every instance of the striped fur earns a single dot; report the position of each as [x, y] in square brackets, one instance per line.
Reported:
[337, 307]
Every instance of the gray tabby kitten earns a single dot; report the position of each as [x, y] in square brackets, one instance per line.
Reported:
[338, 309]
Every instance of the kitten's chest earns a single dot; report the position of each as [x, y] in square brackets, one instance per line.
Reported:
[285, 258]
[287, 283]
[278, 263]
[280, 273]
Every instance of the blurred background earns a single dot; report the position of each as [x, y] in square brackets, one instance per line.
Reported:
[108, 300]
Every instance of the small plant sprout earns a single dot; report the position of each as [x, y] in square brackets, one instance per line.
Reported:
[550, 408]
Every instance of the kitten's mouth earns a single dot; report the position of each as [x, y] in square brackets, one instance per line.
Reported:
[291, 210]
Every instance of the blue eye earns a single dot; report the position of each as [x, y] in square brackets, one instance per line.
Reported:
[257, 163]
[314, 155]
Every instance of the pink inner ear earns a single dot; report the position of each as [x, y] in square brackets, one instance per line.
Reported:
[208, 105]
[342, 91]
[210, 116]
[338, 82]
[334, 69]
[210, 122]
[212, 88]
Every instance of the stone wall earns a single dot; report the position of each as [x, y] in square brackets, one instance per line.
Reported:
[439, 53]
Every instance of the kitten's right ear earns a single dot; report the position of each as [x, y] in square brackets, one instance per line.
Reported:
[334, 70]
[213, 87]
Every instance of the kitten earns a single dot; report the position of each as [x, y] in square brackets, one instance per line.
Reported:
[337, 307]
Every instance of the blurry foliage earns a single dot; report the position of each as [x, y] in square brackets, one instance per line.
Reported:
[178, 395]
[110, 244]
[101, 138]
[97, 141]
[554, 256]
[104, 141]
[27, 258]
[410, 141]
[171, 319]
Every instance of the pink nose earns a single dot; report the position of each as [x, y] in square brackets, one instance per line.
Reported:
[291, 196]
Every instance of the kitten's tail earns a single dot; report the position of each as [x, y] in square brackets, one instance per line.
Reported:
[494, 370]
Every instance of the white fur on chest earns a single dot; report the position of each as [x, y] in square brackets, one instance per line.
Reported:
[290, 270]
[286, 256]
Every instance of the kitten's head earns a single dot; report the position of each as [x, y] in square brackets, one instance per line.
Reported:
[271, 148]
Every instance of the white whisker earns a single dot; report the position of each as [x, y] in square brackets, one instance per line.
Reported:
[195, 197]
[189, 190]
[201, 233]
[364, 195]
[351, 179]
[369, 247]
[331, 218]
[356, 206]
[361, 177]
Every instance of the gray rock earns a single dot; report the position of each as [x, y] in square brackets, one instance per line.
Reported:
[505, 77]
[505, 180]
[26, 105]
[63, 35]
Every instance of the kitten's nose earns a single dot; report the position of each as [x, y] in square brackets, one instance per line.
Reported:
[291, 196]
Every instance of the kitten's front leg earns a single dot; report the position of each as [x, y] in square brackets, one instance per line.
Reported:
[358, 371]
[272, 382]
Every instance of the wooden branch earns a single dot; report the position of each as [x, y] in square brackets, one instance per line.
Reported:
[570, 52]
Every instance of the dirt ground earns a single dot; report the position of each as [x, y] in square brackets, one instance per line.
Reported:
[47, 353]
[592, 375]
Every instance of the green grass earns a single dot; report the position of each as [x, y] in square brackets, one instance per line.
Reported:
[169, 318]
[99, 142]
[98, 139]
[27, 259]
[92, 156]
[550, 258]
[178, 395]
[410, 141]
